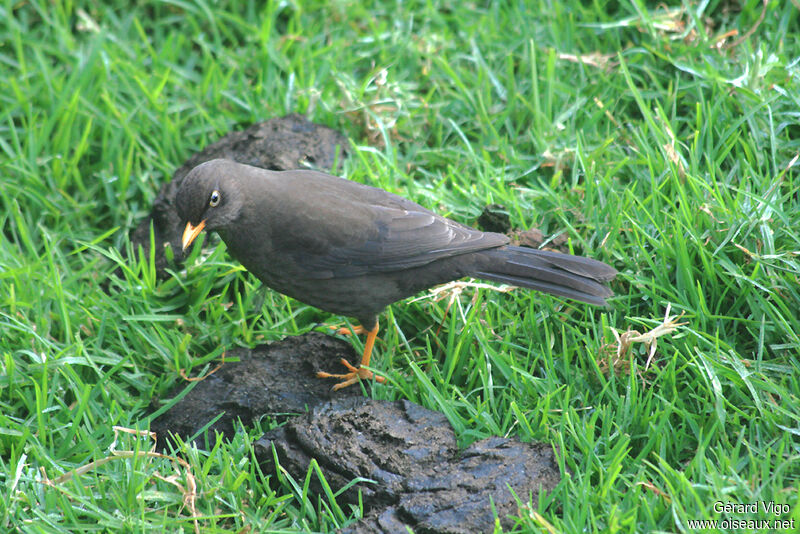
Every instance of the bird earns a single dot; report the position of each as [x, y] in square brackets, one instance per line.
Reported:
[352, 249]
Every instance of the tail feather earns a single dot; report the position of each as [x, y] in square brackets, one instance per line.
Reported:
[588, 267]
[573, 277]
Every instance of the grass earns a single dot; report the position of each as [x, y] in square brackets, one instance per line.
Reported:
[658, 140]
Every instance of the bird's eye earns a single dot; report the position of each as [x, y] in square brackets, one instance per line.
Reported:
[214, 199]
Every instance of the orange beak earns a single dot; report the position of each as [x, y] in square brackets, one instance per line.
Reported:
[191, 233]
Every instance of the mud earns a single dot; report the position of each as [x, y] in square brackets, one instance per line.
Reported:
[494, 218]
[278, 379]
[413, 473]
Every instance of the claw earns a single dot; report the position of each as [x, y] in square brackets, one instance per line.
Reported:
[356, 373]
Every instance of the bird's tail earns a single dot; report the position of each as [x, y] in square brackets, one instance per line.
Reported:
[565, 275]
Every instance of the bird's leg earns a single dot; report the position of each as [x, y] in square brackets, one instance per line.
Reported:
[357, 373]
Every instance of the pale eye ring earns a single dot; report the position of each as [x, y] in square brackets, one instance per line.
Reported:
[214, 199]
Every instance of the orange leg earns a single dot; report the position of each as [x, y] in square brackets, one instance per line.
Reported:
[357, 373]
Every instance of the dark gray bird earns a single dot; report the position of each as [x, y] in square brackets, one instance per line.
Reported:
[352, 249]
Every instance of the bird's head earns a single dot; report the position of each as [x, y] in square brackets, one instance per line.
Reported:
[208, 198]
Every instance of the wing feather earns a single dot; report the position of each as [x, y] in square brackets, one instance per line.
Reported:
[360, 230]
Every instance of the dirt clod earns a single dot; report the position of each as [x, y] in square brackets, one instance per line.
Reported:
[359, 437]
[494, 218]
[413, 473]
[278, 379]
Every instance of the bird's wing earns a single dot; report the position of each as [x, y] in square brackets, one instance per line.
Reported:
[399, 239]
[345, 229]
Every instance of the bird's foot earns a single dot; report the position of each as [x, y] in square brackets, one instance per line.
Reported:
[355, 374]
[345, 331]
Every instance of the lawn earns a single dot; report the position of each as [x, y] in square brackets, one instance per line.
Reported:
[661, 140]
